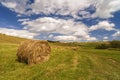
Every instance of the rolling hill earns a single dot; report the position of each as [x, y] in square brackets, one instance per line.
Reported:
[10, 39]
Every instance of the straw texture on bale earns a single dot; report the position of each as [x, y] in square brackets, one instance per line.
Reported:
[33, 52]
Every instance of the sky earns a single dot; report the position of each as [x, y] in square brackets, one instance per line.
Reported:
[61, 20]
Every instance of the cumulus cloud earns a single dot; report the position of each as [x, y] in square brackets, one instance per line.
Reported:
[106, 8]
[21, 20]
[17, 33]
[65, 38]
[18, 6]
[67, 28]
[70, 7]
[105, 38]
[61, 26]
[64, 7]
[117, 34]
[74, 38]
[88, 38]
[106, 25]
[9, 4]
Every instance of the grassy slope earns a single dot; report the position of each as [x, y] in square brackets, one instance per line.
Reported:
[75, 61]
[10, 39]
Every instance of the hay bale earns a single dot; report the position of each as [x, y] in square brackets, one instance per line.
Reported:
[33, 51]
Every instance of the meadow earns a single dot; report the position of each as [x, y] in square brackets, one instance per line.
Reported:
[68, 61]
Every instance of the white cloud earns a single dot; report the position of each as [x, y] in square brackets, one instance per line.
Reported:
[63, 7]
[88, 38]
[50, 36]
[73, 7]
[103, 25]
[117, 34]
[49, 25]
[17, 33]
[105, 38]
[106, 8]
[18, 6]
[66, 28]
[66, 38]
[9, 4]
[91, 39]
[21, 20]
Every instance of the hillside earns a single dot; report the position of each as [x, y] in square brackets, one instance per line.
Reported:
[10, 39]
[68, 61]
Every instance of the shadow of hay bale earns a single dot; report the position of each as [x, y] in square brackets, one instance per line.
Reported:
[33, 52]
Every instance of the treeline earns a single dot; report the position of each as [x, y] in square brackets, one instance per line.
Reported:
[110, 44]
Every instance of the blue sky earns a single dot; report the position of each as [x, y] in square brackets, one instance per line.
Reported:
[61, 20]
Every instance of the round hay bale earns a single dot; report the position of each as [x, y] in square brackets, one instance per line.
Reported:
[33, 51]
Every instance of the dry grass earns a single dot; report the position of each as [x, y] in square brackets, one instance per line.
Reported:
[33, 51]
